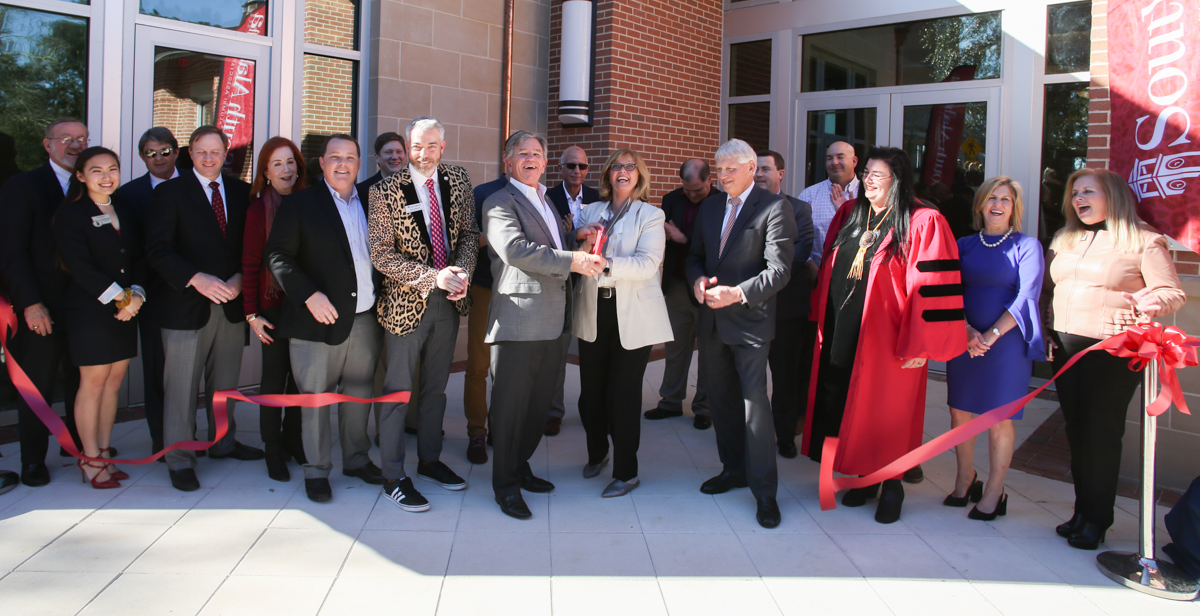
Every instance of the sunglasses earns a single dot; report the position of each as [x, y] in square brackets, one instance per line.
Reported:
[625, 167]
[574, 166]
[151, 154]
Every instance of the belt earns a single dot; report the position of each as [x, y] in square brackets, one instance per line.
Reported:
[607, 292]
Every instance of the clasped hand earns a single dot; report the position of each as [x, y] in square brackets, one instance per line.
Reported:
[586, 236]
[1144, 302]
[131, 310]
[453, 280]
[217, 290]
[710, 294]
[976, 344]
[587, 264]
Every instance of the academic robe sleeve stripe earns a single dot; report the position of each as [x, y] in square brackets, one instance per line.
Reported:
[938, 265]
[931, 324]
[940, 290]
[945, 314]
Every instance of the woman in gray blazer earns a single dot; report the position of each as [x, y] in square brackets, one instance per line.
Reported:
[619, 315]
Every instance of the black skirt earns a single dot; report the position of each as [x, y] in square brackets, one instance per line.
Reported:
[96, 337]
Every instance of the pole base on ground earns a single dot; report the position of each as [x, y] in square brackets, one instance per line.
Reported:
[1153, 577]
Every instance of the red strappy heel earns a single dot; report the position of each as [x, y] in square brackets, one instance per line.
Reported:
[113, 471]
[99, 485]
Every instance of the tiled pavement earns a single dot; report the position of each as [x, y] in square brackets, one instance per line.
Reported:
[244, 544]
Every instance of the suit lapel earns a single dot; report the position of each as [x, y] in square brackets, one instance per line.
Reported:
[444, 204]
[329, 208]
[747, 212]
[533, 210]
[199, 198]
[409, 191]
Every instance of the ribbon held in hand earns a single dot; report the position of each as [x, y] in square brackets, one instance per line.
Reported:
[1170, 346]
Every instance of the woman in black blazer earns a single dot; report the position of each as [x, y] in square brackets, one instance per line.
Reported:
[101, 249]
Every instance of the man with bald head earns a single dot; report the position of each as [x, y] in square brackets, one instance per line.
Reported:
[829, 194]
[681, 207]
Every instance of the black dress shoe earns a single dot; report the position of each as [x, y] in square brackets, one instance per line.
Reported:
[787, 449]
[8, 481]
[661, 413]
[35, 475]
[857, 497]
[1070, 527]
[1089, 537]
[367, 472]
[553, 426]
[318, 490]
[702, 422]
[185, 480]
[240, 452]
[408, 430]
[891, 499]
[530, 483]
[277, 468]
[514, 506]
[914, 475]
[723, 483]
[768, 512]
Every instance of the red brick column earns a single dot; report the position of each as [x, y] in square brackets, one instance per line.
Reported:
[658, 80]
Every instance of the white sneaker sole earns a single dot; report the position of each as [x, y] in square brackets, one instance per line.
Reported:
[448, 486]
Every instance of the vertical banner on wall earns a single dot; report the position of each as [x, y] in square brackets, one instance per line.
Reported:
[945, 135]
[1155, 96]
[235, 112]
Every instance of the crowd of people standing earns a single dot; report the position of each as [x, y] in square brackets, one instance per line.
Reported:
[844, 294]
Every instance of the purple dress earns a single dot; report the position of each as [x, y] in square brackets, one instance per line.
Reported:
[1007, 277]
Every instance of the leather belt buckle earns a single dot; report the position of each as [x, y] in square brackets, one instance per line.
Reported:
[607, 292]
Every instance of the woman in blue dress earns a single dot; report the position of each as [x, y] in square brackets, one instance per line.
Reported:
[1002, 271]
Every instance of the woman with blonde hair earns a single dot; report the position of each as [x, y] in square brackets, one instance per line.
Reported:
[619, 315]
[1002, 272]
[1108, 270]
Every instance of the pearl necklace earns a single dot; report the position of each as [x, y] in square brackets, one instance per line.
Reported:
[998, 242]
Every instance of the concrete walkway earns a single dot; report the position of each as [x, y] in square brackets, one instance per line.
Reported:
[244, 544]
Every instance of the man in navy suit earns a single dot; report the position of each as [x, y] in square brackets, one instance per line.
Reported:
[35, 285]
[159, 149]
[568, 198]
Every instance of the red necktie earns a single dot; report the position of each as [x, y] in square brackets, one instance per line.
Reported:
[436, 237]
[218, 205]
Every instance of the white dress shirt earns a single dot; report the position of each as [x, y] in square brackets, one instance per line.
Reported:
[355, 222]
[823, 209]
[155, 181]
[741, 201]
[62, 175]
[537, 196]
[574, 203]
[204, 183]
[423, 195]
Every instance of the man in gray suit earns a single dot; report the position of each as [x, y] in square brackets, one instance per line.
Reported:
[531, 255]
[741, 256]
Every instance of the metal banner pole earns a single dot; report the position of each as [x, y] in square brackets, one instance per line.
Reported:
[1140, 570]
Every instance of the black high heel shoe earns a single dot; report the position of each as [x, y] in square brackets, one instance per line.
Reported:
[1089, 537]
[857, 497]
[891, 499]
[1001, 509]
[1070, 527]
[974, 493]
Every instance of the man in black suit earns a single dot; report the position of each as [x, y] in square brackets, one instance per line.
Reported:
[391, 155]
[194, 240]
[682, 207]
[791, 313]
[35, 286]
[159, 150]
[320, 254]
[741, 257]
[568, 198]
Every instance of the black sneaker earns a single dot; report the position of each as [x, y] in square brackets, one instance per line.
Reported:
[437, 472]
[405, 495]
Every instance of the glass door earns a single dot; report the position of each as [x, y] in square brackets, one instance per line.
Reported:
[861, 120]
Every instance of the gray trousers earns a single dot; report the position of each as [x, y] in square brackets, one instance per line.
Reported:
[431, 346]
[683, 316]
[557, 407]
[741, 411]
[347, 368]
[523, 376]
[213, 352]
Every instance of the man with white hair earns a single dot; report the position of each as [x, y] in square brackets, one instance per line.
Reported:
[741, 257]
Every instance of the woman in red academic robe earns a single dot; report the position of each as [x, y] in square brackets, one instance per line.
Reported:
[884, 307]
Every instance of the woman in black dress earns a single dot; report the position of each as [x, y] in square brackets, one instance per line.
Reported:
[102, 251]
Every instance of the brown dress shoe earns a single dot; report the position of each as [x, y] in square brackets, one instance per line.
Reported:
[553, 426]
[477, 450]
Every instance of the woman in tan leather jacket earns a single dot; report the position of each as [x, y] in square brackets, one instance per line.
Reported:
[1107, 270]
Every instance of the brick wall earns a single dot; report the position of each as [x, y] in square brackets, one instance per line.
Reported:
[327, 107]
[658, 79]
[330, 22]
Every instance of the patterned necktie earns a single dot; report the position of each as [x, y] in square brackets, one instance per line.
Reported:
[436, 237]
[218, 205]
[733, 205]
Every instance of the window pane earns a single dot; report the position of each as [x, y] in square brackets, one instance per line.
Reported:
[241, 15]
[751, 122]
[1069, 38]
[1064, 150]
[931, 51]
[750, 68]
[946, 144]
[333, 23]
[328, 102]
[192, 89]
[854, 126]
[43, 76]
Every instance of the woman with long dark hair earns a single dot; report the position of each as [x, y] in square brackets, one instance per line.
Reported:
[280, 171]
[889, 300]
[102, 250]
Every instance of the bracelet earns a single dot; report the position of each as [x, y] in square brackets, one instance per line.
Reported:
[124, 299]
[250, 317]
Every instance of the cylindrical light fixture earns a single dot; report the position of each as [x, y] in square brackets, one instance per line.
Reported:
[575, 63]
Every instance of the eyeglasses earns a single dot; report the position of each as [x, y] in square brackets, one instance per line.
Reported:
[152, 154]
[877, 176]
[574, 166]
[625, 167]
[67, 141]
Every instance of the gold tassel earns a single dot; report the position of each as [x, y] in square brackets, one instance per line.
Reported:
[856, 268]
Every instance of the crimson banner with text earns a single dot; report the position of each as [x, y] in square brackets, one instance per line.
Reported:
[235, 113]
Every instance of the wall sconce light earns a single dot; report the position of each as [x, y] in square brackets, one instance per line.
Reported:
[577, 57]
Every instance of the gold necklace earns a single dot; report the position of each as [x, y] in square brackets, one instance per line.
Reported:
[868, 238]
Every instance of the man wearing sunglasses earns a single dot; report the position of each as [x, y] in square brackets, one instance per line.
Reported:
[159, 150]
[568, 198]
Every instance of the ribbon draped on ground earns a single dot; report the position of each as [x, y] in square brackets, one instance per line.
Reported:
[25, 387]
[1169, 346]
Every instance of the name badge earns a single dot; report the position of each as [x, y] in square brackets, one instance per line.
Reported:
[101, 220]
[414, 208]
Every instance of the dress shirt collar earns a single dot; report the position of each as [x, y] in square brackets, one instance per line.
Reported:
[851, 187]
[419, 178]
[566, 191]
[741, 198]
[62, 175]
[338, 198]
[155, 180]
[205, 181]
[535, 194]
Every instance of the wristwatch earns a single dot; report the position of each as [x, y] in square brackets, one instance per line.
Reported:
[250, 318]
[996, 330]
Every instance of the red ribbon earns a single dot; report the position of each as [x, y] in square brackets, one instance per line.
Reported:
[25, 387]
[1170, 346]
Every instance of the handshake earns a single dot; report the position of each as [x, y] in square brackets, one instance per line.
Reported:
[587, 264]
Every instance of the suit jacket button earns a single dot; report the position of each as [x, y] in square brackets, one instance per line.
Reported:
[122, 251]
[354, 295]
[564, 287]
[122, 271]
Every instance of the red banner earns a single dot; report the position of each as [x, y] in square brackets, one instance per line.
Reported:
[235, 111]
[945, 135]
[1155, 107]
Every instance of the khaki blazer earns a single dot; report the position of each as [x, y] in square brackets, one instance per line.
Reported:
[636, 247]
